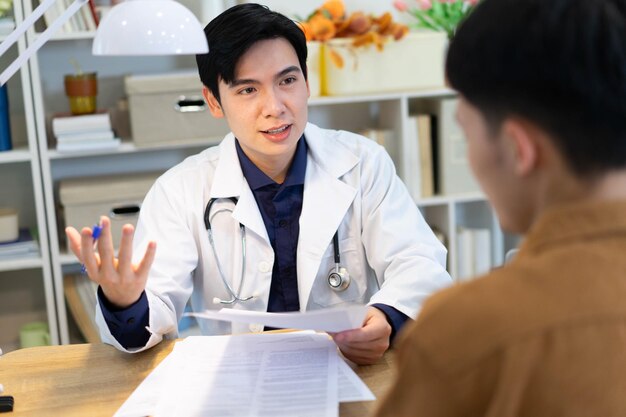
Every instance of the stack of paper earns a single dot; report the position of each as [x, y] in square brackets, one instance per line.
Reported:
[24, 247]
[84, 133]
[279, 374]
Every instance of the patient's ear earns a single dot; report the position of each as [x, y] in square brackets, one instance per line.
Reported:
[523, 145]
[214, 106]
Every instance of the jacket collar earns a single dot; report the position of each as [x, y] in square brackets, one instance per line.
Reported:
[326, 198]
[575, 222]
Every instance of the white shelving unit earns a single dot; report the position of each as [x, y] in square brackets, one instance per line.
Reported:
[44, 76]
[26, 290]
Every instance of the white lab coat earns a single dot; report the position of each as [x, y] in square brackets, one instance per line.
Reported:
[350, 186]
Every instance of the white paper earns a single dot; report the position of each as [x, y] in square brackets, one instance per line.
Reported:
[351, 387]
[143, 400]
[327, 320]
[234, 376]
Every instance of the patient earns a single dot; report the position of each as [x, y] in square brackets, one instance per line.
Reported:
[542, 88]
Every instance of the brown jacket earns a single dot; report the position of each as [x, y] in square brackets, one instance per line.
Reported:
[543, 336]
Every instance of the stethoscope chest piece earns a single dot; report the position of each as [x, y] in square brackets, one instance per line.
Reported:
[338, 279]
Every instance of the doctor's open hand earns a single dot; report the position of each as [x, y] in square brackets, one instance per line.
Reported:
[366, 345]
[122, 282]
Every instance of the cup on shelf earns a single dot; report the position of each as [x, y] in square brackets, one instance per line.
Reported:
[9, 229]
[5, 123]
[33, 334]
[82, 90]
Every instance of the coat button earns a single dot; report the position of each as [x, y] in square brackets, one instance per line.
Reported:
[256, 328]
[264, 266]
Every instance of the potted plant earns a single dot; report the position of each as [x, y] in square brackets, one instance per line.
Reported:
[437, 15]
[366, 53]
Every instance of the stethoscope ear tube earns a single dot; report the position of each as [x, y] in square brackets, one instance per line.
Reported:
[234, 296]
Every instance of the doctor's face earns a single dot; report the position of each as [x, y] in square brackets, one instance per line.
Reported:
[266, 105]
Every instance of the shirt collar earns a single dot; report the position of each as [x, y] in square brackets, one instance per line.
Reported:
[257, 178]
[576, 222]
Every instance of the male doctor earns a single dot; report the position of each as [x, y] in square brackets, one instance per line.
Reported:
[297, 193]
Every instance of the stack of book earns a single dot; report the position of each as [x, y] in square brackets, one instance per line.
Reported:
[89, 132]
[420, 164]
[474, 252]
[85, 20]
[24, 247]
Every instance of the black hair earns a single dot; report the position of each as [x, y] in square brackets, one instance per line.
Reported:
[558, 63]
[234, 31]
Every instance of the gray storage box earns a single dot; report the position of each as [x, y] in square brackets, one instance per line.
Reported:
[119, 197]
[170, 108]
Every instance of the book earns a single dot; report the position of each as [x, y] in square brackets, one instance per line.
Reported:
[80, 294]
[87, 18]
[24, 246]
[465, 255]
[424, 140]
[481, 241]
[94, 12]
[453, 175]
[412, 170]
[473, 252]
[5, 120]
[68, 124]
[89, 146]
[92, 136]
[67, 26]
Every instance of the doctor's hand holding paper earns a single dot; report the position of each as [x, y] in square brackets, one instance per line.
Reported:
[281, 216]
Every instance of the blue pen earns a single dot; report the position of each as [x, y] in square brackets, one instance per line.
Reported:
[95, 234]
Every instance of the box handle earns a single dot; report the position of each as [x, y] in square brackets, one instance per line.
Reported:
[130, 210]
[192, 104]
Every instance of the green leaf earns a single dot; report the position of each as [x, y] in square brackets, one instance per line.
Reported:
[426, 22]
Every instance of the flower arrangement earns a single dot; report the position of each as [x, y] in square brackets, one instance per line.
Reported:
[438, 15]
[331, 21]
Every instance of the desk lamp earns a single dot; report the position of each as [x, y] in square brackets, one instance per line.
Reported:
[133, 27]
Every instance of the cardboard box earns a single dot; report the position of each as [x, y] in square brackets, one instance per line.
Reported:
[84, 200]
[169, 108]
[412, 63]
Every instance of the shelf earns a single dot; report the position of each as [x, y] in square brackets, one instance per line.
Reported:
[129, 147]
[427, 93]
[64, 36]
[23, 263]
[438, 200]
[15, 155]
[68, 258]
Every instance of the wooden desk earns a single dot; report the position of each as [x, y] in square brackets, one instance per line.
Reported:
[95, 379]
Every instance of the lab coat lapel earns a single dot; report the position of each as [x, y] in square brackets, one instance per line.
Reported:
[230, 182]
[326, 201]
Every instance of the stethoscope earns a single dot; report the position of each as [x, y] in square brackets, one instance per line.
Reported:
[338, 277]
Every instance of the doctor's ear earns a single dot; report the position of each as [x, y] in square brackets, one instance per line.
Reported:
[214, 105]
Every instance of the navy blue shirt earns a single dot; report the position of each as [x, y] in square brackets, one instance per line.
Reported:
[280, 206]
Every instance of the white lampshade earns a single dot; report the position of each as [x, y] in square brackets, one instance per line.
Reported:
[149, 27]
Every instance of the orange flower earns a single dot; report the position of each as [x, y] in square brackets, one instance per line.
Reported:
[322, 27]
[306, 28]
[334, 9]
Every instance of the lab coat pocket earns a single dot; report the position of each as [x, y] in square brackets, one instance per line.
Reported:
[350, 258]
